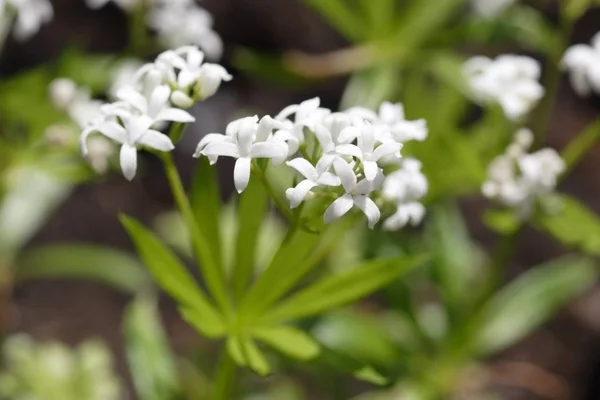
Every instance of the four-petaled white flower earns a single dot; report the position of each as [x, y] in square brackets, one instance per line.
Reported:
[357, 194]
[245, 139]
[135, 131]
[156, 107]
[510, 81]
[307, 114]
[406, 213]
[366, 150]
[583, 63]
[315, 176]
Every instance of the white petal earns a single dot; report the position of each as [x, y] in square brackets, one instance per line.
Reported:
[174, 115]
[128, 159]
[344, 171]
[370, 209]
[208, 139]
[130, 95]
[113, 131]
[304, 167]
[385, 150]
[324, 138]
[276, 151]
[300, 192]
[329, 179]
[156, 140]
[182, 100]
[338, 208]
[348, 134]
[158, 99]
[225, 149]
[371, 169]
[241, 173]
[286, 112]
[349, 150]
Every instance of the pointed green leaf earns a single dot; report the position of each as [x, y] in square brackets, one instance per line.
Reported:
[504, 222]
[579, 147]
[171, 275]
[571, 223]
[370, 374]
[234, 348]
[454, 256]
[150, 358]
[110, 266]
[251, 213]
[205, 199]
[343, 288]
[529, 301]
[256, 359]
[345, 363]
[288, 340]
[203, 323]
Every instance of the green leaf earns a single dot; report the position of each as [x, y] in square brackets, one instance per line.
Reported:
[581, 145]
[173, 277]
[288, 340]
[574, 9]
[345, 363]
[255, 358]
[203, 322]
[270, 68]
[205, 199]
[529, 301]
[83, 261]
[571, 223]
[342, 17]
[343, 288]
[251, 213]
[235, 350]
[530, 28]
[504, 222]
[454, 256]
[150, 358]
[370, 374]
[380, 16]
[295, 258]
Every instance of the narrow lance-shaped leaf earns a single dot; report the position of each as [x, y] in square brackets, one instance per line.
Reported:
[578, 147]
[251, 212]
[288, 340]
[205, 200]
[343, 288]
[82, 261]
[151, 361]
[527, 302]
[342, 17]
[172, 276]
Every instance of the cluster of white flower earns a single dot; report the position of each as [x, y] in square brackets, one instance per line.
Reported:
[511, 81]
[348, 156]
[156, 96]
[177, 22]
[516, 178]
[583, 63]
[28, 16]
[490, 8]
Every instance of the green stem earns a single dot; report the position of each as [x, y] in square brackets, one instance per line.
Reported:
[503, 253]
[224, 378]
[211, 271]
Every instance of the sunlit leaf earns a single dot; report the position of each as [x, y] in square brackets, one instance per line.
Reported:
[288, 340]
[334, 291]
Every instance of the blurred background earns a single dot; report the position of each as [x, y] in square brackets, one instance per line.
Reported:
[559, 361]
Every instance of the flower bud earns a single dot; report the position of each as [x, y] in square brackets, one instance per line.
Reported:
[181, 100]
[62, 92]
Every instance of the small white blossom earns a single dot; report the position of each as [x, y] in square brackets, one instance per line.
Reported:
[490, 8]
[406, 213]
[307, 114]
[517, 178]
[63, 92]
[510, 81]
[29, 16]
[583, 64]
[245, 139]
[315, 176]
[183, 22]
[357, 194]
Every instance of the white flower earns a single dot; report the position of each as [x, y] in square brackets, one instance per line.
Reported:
[99, 150]
[192, 79]
[182, 22]
[124, 75]
[156, 107]
[135, 131]
[357, 194]
[63, 92]
[583, 63]
[406, 213]
[366, 150]
[307, 114]
[124, 4]
[245, 139]
[490, 8]
[406, 183]
[315, 176]
[516, 178]
[509, 80]
[30, 16]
